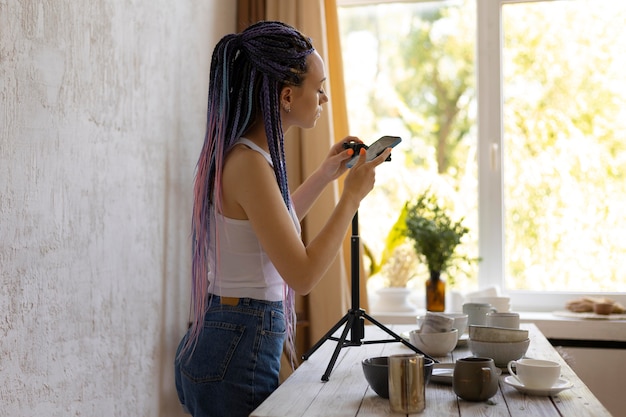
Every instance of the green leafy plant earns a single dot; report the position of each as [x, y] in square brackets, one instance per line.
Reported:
[435, 236]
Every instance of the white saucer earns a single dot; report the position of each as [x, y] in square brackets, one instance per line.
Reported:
[560, 385]
[443, 373]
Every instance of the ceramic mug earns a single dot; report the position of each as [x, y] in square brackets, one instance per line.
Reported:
[475, 378]
[477, 313]
[535, 373]
[508, 320]
[406, 383]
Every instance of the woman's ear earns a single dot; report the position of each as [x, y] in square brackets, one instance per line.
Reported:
[286, 97]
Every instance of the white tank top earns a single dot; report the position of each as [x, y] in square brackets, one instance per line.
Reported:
[242, 268]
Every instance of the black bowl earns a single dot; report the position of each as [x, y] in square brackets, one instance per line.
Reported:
[376, 372]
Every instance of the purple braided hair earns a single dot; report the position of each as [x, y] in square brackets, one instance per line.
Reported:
[248, 71]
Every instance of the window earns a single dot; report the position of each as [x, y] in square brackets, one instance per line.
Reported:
[534, 162]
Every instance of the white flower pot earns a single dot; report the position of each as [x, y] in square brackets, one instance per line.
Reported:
[394, 300]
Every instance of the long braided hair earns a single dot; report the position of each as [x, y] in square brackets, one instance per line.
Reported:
[248, 71]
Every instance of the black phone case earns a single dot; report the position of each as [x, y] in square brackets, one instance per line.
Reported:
[376, 148]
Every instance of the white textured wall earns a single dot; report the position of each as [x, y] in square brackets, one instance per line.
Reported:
[102, 108]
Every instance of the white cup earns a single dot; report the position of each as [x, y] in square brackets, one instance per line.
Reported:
[501, 304]
[535, 373]
[477, 313]
[508, 320]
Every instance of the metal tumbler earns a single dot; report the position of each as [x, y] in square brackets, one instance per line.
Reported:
[406, 383]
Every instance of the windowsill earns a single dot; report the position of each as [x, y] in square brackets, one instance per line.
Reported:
[552, 326]
[556, 327]
[567, 331]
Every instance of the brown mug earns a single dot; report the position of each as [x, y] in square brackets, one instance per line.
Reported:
[475, 379]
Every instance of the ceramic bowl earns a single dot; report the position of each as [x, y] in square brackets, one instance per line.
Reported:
[496, 334]
[501, 352]
[460, 322]
[435, 344]
[376, 371]
[435, 323]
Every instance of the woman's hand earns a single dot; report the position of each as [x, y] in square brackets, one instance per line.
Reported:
[335, 163]
[362, 176]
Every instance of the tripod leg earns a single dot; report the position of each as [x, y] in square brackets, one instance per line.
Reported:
[324, 338]
[340, 344]
[396, 337]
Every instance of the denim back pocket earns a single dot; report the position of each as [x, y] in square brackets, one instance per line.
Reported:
[215, 349]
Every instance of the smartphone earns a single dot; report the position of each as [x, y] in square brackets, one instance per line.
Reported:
[376, 149]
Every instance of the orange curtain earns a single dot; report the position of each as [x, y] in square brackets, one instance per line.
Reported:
[249, 12]
[329, 301]
[306, 148]
[340, 123]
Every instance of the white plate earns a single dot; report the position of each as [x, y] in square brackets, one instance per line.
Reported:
[561, 384]
[442, 373]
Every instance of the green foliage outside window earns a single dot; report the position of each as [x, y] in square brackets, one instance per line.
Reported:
[564, 143]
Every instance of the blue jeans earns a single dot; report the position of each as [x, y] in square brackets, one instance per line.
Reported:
[234, 367]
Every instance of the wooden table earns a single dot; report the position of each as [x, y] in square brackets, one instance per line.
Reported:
[347, 393]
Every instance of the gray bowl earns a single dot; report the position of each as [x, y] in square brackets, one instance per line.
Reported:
[501, 352]
[376, 372]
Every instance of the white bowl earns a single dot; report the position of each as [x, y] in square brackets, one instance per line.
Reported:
[460, 322]
[496, 334]
[435, 323]
[434, 344]
[501, 352]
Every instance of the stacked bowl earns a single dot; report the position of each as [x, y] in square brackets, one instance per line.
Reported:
[435, 343]
[460, 321]
[501, 344]
[436, 335]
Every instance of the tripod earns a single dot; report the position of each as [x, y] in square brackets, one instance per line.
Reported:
[354, 318]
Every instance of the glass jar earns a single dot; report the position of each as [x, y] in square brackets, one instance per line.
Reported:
[435, 293]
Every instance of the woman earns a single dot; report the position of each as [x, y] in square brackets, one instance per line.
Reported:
[248, 257]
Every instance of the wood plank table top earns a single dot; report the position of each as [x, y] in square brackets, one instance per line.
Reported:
[347, 392]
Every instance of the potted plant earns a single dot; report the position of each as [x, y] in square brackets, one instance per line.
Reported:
[435, 237]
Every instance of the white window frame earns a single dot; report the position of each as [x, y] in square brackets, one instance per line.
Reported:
[491, 270]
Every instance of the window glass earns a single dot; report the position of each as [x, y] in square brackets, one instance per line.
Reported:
[409, 72]
[564, 145]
